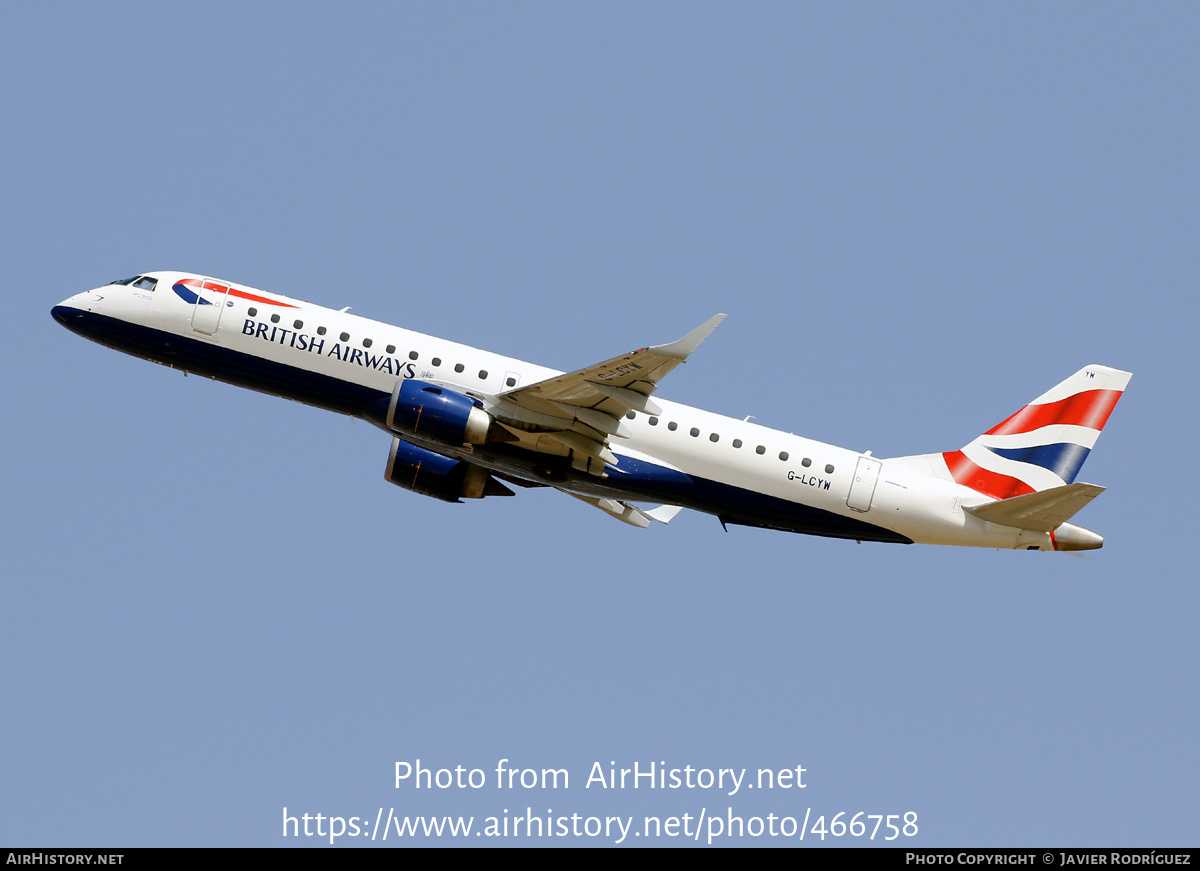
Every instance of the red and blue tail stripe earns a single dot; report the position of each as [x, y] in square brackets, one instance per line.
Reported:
[1090, 409]
[1045, 443]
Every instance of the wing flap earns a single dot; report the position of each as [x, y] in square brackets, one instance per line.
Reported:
[596, 419]
[631, 398]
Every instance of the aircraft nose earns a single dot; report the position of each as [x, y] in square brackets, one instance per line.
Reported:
[72, 312]
[63, 313]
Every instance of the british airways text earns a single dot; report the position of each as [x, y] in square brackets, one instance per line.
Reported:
[303, 342]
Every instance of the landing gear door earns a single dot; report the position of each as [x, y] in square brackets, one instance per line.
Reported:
[862, 488]
[210, 302]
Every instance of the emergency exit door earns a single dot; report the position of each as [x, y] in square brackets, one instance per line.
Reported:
[862, 488]
[210, 302]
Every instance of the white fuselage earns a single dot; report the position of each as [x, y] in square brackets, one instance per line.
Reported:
[350, 364]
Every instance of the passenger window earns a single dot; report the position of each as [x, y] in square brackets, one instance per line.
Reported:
[345, 337]
[483, 374]
[391, 349]
[672, 426]
[367, 343]
[654, 421]
[829, 469]
[695, 432]
[783, 455]
[760, 450]
[737, 443]
[458, 367]
[252, 311]
[299, 325]
[806, 462]
[512, 382]
[320, 330]
[437, 361]
[274, 319]
[412, 355]
[713, 437]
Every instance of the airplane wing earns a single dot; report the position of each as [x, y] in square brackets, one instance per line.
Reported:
[578, 412]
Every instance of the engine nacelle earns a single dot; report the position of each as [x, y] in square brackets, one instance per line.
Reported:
[431, 474]
[437, 413]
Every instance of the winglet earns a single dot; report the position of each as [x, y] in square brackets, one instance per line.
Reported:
[690, 342]
[663, 513]
[631, 514]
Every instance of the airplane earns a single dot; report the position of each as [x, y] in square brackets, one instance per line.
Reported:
[467, 423]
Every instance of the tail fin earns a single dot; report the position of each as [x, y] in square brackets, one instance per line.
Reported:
[1044, 444]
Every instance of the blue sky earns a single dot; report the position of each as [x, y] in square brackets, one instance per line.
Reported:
[918, 218]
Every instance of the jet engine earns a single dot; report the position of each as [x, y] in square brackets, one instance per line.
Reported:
[436, 413]
[444, 478]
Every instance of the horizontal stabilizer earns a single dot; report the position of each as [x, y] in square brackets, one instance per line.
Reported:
[1043, 511]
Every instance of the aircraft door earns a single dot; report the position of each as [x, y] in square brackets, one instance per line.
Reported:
[862, 488]
[210, 302]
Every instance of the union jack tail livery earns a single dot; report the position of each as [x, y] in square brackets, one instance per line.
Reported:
[1044, 444]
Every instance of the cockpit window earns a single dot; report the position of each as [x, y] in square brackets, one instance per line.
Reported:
[146, 283]
[126, 280]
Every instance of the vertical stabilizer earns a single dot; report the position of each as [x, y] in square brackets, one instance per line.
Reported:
[1044, 444]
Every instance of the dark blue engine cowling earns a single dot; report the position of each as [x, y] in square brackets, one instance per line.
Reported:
[445, 478]
[436, 413]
